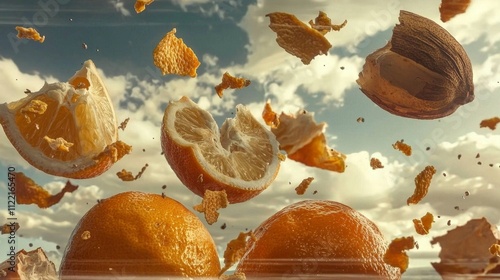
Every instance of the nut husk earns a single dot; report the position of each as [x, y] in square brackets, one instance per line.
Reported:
[422, 72]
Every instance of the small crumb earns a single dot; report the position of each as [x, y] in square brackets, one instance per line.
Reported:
[123, 124]
[477, 156]
[27, 91]
[31, 244]
[58, 247]
[459, 156]
[360, 120]
[444, 174]
[342, 67]
[84, 46]
[449, 222]
[479, 163]
[164, 186]
[223, 226]
[457, 208]
[315, 192]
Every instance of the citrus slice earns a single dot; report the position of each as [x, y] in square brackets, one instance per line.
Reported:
[66, 129]
[241, 158]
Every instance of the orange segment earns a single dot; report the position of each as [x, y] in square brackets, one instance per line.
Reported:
[66, 129]
[240, 158]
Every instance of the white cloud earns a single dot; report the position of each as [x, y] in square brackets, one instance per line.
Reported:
[120, 7]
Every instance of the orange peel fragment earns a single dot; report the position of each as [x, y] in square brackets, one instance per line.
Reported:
[323, 23]
[172, 56]
[423, 225]
[396, 256]
[450, 8]
[302, 187]
[403, 147]
[28, 192]
[140, 5]
[422, 183]
[375, 163]
[212, 201]
[270, 117]
[490, 123]
[229, 81]
[9, 227]
[125, 175]
[29, 33]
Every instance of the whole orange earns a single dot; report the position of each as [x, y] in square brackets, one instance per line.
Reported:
[139, 234]
[317, 237]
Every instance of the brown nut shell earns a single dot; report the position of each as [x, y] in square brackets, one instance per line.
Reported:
[422, 72]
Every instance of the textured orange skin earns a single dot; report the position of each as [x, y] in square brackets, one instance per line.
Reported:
[135, 233]
[316, 237]
[183, 162]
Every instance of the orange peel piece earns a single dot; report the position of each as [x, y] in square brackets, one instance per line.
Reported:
[302, 187]
[140, 5]
[422, 183]
[28, 192]
[450, 8]
[125, 175]
[375, 163]
[235, 250]
[423, 225]
[270, 117]
[172, 56]
[229, 81]
[10, 227]
[123, 124]
[296, 38]
[304, 141]
[211, 202]
[403, 147]
[323, 23]
[396, 256]
[490, 123]
[29, 33]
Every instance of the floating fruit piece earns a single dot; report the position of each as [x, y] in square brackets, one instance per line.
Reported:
[140, 234]
[422, 72]
[229, 81]
[29, 33]
[211, 203]
[450, 8]
[66, 129]
[172, 56]
[396, 255]
[490, 123]
[241, 158]
[424, 224]
[316, 239]
[422, 184]
[323, 23]
[28, 266]
[465, 250]
[140, 5]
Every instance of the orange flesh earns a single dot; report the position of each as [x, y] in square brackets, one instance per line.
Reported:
[52, 125]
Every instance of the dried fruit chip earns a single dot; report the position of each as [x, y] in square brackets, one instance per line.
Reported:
[323, 24]
[28, 192]
[490, 123]
[172, 56]
[297, 38]
[123, 124]
[450, 8]
[212, 201]
[396, 255]
[28, 265]
[235, 250]
[302, 187]
[423, 225]
[375, 163]
[422, 183]
[140, 5]
[403, 147]
[29, 33]
[9, 228]
[304, 141]
[270, 117]
[125, 175]
[229, 81]
[495, 249]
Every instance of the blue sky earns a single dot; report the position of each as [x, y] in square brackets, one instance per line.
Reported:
[234, 36]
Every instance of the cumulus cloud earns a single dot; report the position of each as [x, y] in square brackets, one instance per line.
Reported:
[120, 7]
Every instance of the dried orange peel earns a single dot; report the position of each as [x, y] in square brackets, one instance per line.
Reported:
[80, 113]
[396, 255]
[211, 203]
[140, 5]
[490, 123]
[403, 147]
[29, 33]
[424, 224]
[172, 56]
[231, 82]
[422, 184]
[304, 140]
[323, 23]
[28, 192]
